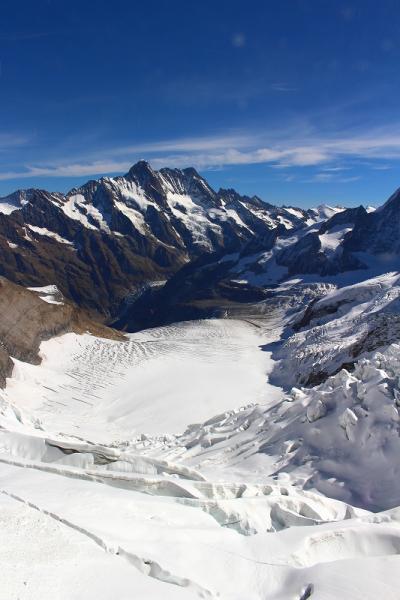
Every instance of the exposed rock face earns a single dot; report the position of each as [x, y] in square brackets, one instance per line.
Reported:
[378, 232]
[216, 283]
[6, 366]
[26, 320]
[324, 250]
[213, 284]
[41, 245]
[204, 288]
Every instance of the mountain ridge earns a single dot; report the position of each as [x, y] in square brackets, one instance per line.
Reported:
[103, 242]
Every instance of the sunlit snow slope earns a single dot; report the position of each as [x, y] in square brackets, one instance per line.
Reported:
[167, 466]
[158, 381]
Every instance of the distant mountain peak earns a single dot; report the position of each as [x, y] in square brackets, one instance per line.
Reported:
[191, 172]
[139, 170]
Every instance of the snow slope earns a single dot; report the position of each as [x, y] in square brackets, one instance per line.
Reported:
[159, 381]
[161, 539]
[169, 466]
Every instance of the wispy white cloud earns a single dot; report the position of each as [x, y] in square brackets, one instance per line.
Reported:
[321, 177]
[192, 144]
[335, 169]
[289, 150]
[325, 177]
[381, 167]
[68, 170]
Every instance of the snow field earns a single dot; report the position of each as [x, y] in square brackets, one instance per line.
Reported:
[159, 381]
[168, 466]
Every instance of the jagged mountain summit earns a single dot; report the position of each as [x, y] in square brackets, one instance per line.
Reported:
[99, 243]
[339, 246]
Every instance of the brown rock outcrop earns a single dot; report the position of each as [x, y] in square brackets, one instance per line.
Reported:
[26, 320]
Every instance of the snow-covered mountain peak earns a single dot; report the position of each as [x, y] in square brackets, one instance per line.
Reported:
[188, 182]
[18, 199]
[149, 223]
[324, 211]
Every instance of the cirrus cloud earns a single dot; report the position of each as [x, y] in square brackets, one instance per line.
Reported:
[206, 152]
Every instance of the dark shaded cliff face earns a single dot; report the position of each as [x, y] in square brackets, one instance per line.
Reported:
[323, 250]
[101, 242]
[204, 288]
[92, 264]
[378, 232]
[220, 283]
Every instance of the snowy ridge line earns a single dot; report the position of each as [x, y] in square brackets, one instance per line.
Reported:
[146, 566]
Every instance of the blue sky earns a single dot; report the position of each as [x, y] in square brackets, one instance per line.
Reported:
[296, 101]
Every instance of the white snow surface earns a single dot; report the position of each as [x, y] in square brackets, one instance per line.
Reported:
[78, 208]
[158, 381]
[13, 202]
[47, 233]
[331, 240]
[339, 323]
[323, 212]
[7, 208]
[170, 466]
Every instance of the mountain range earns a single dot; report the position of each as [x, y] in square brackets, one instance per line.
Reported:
[110, 240]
